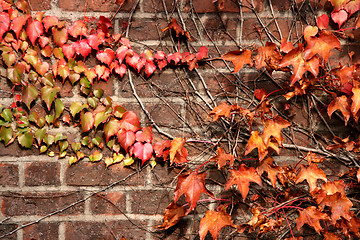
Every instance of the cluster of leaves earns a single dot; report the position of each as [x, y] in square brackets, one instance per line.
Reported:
[40, 53]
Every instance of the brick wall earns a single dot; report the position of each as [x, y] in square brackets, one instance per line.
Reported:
[89, 201]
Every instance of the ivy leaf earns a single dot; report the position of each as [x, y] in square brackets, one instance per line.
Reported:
[7, 135]
[82, 47]
[77, 107]
[146, 135]
[50, 21]
[213, 222]
[239, 59]
[311, 174]
[9, 58]
[96, 40]
[78, 29]
[340, 206]
[60, 36]
[87, 121]
[311, 216]
[111, 128]
[342, 104]
[355, 104]
[223, 110]
[177, 29]
[161, 149]
[29, 93]
[267, 54]
[106, 56]
[17, 24]
[352, 7]
[96, 156]
[143, 151]
[286, 46]
[272, 171]
[26, 139]
[192, 184]
[339, 17]
[178, 153]
[4, 23]
[126, 138]
[34, 30]
[223, 158]
[173, 214]
[242, 178]
[130, 122]
[322, 21]
[48, 94]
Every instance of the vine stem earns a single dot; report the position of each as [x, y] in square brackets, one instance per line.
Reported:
[209, 200]
[197, 170]
[201, 141]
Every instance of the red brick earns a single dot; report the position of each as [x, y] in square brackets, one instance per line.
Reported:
[42, 173]
[40, 5]
[150, 202]
[7, 228]
[208, 6]
[281, 5]
[9, 174]
[133, 230]
[16, 150]
[219, 31]
[43, 231]
[20, 204]
[108, 203]
[94, 5]
[164, 116]
[221, 85]
[162, 174]
[66, 89]
[144, 29]
[107, 86]
[153, 6]
[96, 174]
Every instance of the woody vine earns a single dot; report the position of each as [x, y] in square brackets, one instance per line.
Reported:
[39, 51]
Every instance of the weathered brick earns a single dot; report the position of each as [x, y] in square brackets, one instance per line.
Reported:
[162, 174]
[208, 6]
[221, 84]
[144, 29]
[95, 174]
[16, 150]
[164, 115]
[42, 173]
[107, 86]
[108, 203]
[66, 89]
[150, 202]
[94, 6]
[7, 228]
[221, 30]
[18, 204]
[109, 230]
[43, 231]
[281, 5]
[39, 5]
[158, 6]
[9, 174]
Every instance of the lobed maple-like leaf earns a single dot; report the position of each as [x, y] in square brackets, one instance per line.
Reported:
[213, 222]
[256, 141]
[173, 213]
[239, 59]
[355, 104]
[340, 206]
[223, 158]
[178, 153]
[177, 29]
[272, 128]
[272, 171]
[311, 216]
[311, 174]
[191, 184]
[269, 54]
[340, 103]
[223, 110]
[242, 178]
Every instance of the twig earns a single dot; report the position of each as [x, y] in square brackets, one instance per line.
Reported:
[130, 17]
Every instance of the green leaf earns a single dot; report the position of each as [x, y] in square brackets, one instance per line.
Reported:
[43, 148]
[23, 122]
[85, 82]
[49, 139]
[100, 117]
[7, 135]
[76, 107]
[96, 141]
[96, 156]
[119, 111]
[39, 135]
[50, 118]
[115, 159]
[29, 94]
[92, 102]
[48, 80]
[9, 58]
[98, 93]
[51, 154]
[59, 137]
[59, 108]
[72, 160]
[111, 128]
[75, 146]
[41, 122]
[128, 161]
[62, 154]
[48, 94]
[80, 155]
[6, 115]
[26, 140]
[87, 121]
[63, 145]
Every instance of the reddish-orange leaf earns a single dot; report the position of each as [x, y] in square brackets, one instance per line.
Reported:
[239, 59]
[321, 45]
[223, 110]
[223, 158]
[177, 28]
[352, 6]
[339, 17]
[322, 21]
[173, 214]
[286, 46]
[192, 184]
[256, 141]
[310, 31]
[268, 54]
[311, 216]
[311, 174]
[355, 104]
[358, 175]
[331, 236]
[267, 166]
[314, 158]
[242, 178]
[340, 206]
[213, 222]
[342, 104]
[272, 127]
[178, 152]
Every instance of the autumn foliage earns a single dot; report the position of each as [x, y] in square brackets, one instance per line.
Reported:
[39, 52]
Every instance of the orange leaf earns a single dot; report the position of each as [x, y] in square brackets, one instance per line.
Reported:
[242, 178]
[213, 222]
[178, 152]
[310, 31]
[173, 214]
[177, 28]
[340, 206]
[311, 174]
[331, 236]
[268, 54]
[355, 105]
[286, 46]
[239, 59]
[358, 175]
[223, 158]
[256, 141]
[267, 166]
[311, 216]
[223, 110]
[313, 158]
[342, 104]
[272, 128]
[192, 184]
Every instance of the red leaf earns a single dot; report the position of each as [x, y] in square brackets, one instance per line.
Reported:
[286, 46]
[202, 53]
[104, 24]
[149, 68]
[339, 17]
[161, 149]
[177, 29]
[322, 21]
[130, 122]
[121, 70]
[135, 61]
[176, 57]
[173, 214]
[192, 184]
[126, 138]
[260, 93]
[352, 7]
[213, 222]
[17, 24]
[267, 54]
[146, 135]
[95, 40]
[4, 23]
[311, 216]
[106, 56]
[50, 21]
[239, 59]
[223, 158]
[78, 29]
[342, 104]
[256, 141]
[34, 30]
[102, 72]
[82, 47]
[142, 151]
[68, 51]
